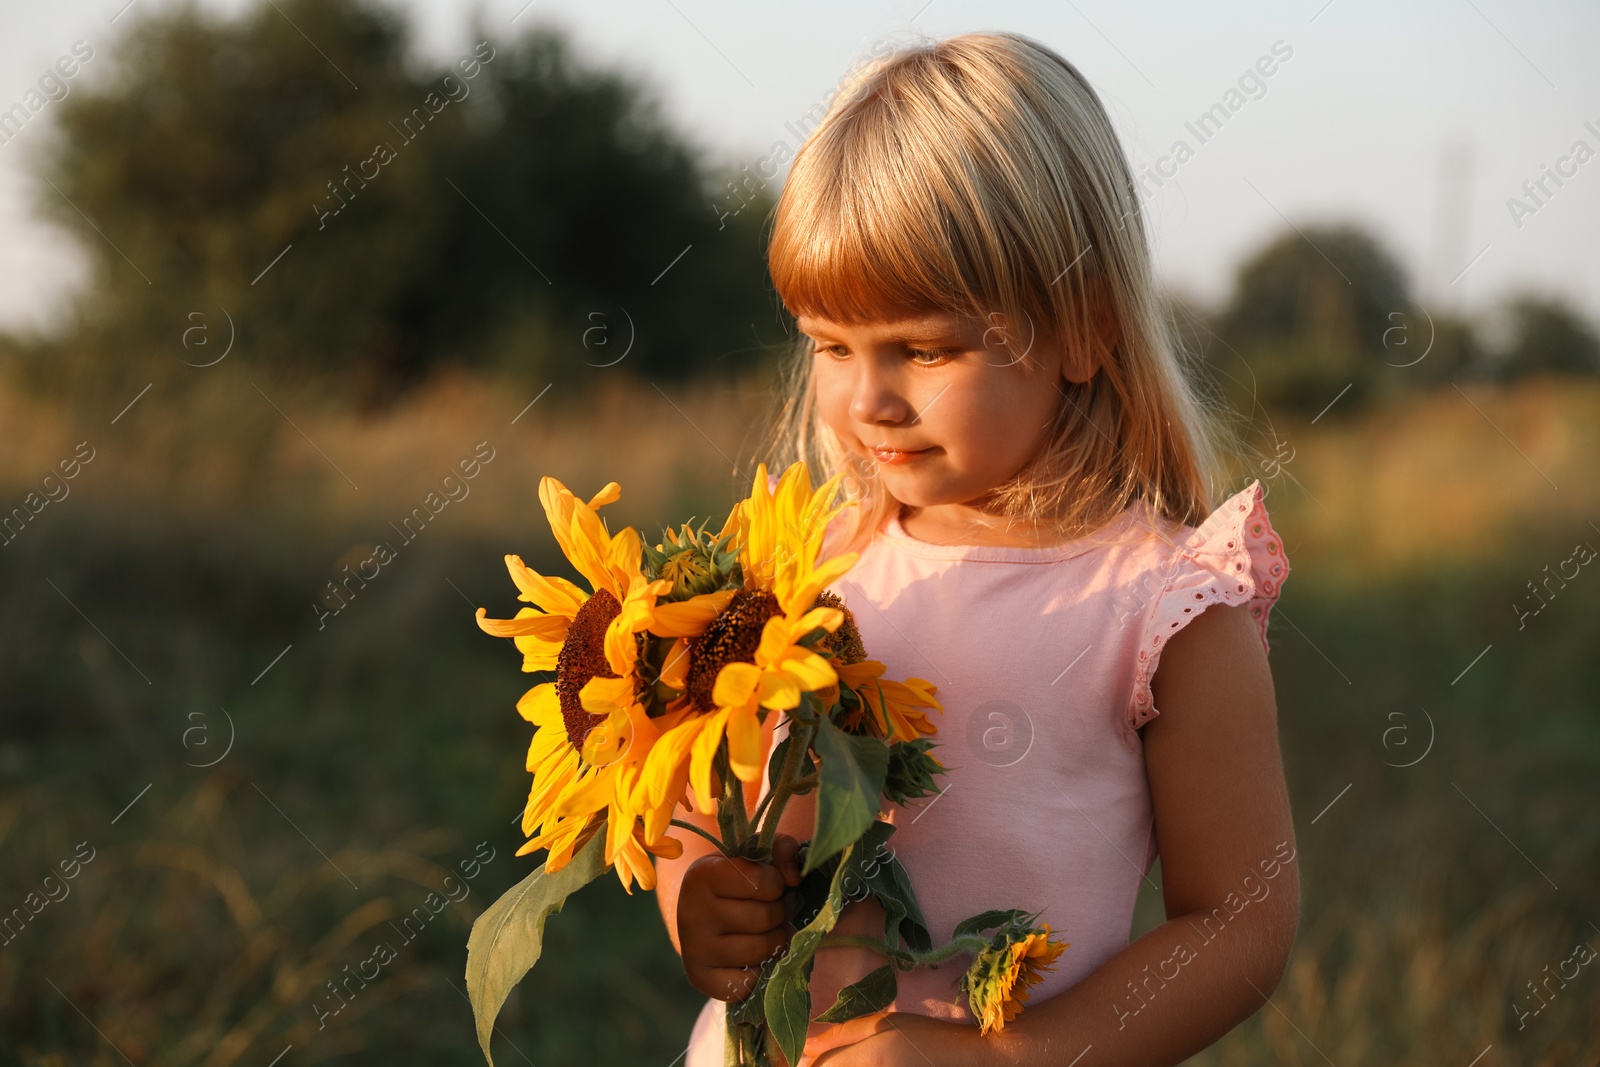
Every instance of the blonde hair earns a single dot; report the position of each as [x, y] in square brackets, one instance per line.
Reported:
[978, 175]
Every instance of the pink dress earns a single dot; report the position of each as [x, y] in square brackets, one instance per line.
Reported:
[1042, 658]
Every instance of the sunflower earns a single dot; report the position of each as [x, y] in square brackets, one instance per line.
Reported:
[750, 660]
[593, 733]
[893, 705]
[886, 709]
[997, 982]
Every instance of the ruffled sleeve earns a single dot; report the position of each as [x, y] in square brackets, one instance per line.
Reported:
[1233, 557]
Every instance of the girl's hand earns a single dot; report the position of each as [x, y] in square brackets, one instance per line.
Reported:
[904, 1039]
[732, 915]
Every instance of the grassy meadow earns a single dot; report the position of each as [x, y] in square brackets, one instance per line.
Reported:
[160, 617]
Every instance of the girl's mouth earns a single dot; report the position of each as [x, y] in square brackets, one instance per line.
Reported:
[892, 455]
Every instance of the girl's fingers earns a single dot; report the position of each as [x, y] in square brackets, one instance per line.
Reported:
[745, 950]
[751, 916]
[784, 848]
[740, 879]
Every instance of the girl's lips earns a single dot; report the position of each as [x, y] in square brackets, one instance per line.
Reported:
[896, 456]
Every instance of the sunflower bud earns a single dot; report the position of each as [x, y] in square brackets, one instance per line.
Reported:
[996, 985]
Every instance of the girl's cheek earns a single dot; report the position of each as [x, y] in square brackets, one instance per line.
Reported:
[833, 399]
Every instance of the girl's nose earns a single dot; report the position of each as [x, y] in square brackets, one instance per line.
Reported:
[876, 398]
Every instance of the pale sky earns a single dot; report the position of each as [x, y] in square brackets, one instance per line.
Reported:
[1419, 121]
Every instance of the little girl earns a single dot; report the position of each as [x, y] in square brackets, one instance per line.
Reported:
[986, 361]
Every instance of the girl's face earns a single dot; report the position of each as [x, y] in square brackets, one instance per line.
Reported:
[941, 407]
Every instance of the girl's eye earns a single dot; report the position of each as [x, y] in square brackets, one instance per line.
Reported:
[930, 357]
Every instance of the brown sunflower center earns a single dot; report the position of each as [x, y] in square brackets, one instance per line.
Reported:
[732, 637]
[582, 657]
[845, 642]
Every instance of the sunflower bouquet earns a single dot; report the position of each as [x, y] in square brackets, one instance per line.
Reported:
[670, 673]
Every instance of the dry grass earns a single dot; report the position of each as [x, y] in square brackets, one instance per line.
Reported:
[1420, 925]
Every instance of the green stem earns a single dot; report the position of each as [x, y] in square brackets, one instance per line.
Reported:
[965, 943]
[784, 787]
[973, 943]
[791, 764]
[731, 817]
[702, 833]
[842, 940]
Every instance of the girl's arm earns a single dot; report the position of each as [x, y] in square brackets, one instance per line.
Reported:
[1222, 823]
[669, 873]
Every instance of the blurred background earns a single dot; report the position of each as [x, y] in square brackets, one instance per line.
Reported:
[273, 271]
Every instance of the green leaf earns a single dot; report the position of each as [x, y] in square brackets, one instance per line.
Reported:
[788, 994]
[886, 878]
[849, 791]
[508, 937]
[873, 993]
[780, 752]
[916, 931]
[986, 921]
[752, 1009]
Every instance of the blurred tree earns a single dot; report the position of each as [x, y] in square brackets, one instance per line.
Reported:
[582, 176]
[1311, 314]
[1433, 349]
[1545, 335]
[356, 211]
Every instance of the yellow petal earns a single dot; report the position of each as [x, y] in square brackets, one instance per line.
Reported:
[541, 705]
[528, 623]
[587, 795]
[700, 769]
[537, 653]
[830, 619]
[776, 635]
[778, 690]
[665, 847]
[609, 741]
[552, 594]
[809, 670]
[744, 744]
[605, 696]
[689, 618]
[588, 556]
[622, 651]
[609, 495]
[675, 668]
[623, 554]
[735, 682]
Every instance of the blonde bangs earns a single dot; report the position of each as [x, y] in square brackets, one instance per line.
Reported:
[852, 242]
[897, 205]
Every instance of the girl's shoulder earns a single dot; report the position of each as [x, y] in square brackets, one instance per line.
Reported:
[1233, 557]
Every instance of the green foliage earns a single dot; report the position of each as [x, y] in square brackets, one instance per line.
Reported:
[698, 563]
[853, 771]
[873, 993]
[508, 938]
[1546, 336]
[988, 920]
[518, 209]
[1317, 311]
[865, 866]
[787, 997]
[1310, 314]
[911, 770]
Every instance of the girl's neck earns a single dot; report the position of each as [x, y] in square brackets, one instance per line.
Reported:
[961, 525]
